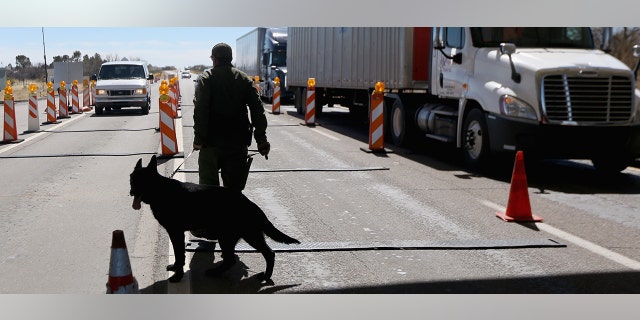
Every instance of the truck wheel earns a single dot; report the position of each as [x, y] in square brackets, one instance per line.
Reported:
[475, 139]
[612, 163]
[398, 124]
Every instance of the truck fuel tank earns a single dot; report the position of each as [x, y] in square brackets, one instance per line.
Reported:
[438, 121]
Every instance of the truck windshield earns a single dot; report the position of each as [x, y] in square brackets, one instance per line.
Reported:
[279, 59]
[554, 37]
[121, 71]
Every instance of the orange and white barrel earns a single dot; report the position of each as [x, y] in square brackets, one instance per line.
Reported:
[86, 96]
[173, 98]
[75, 100]
[178, 95]
[33, 124]
[376, 121]
[92, 87]
[167, 127]
[275, 107]
[310, 110]
[51, 107]
[63, 103]
[10, 128]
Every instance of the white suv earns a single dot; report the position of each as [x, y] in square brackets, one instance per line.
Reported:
[121, 84]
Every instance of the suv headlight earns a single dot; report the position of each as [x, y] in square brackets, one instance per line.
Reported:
[141, 91]
[101, 92]
[514, 107]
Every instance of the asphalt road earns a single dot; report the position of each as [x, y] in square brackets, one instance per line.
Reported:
[406, 221]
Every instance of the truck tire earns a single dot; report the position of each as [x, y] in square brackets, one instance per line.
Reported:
[475, 139]
[298, 100]
[398, 124]
[611, 163]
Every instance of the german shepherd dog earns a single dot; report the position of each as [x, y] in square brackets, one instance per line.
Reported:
[182, 206]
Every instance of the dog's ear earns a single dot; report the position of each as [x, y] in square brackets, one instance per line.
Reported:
[153, 163]
[139, 163]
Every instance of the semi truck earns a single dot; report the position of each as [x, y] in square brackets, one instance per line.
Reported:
[488, 91]
[262, 53]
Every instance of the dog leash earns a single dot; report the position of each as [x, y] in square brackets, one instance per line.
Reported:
[249, 156]
[183, 161]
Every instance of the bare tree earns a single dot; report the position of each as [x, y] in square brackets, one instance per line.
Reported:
[22, 62]
[76, 56]
[112, 57]
[623, 42]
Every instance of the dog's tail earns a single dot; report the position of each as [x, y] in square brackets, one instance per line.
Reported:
[272, 232]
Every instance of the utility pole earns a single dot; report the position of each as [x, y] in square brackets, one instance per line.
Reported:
[44, 49]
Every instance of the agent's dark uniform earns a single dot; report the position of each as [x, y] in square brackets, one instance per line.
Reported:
[221, 121]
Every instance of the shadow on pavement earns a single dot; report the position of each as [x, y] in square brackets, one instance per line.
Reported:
[237, 280]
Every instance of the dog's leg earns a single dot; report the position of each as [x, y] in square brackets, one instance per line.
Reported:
[257, 242]
[228, 247]
[177, 241]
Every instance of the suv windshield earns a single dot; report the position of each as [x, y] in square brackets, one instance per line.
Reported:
[555, 37]
[121, 71]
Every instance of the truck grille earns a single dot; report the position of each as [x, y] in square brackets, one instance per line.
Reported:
[587, 99]
[119, 93]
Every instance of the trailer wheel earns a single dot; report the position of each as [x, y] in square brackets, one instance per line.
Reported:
[475, 143]
[298, 100]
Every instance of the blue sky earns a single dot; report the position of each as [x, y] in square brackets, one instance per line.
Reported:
[181, 33]
[159, 46]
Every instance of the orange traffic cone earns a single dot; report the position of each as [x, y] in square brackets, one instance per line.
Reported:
[121, 280]
[518, 207]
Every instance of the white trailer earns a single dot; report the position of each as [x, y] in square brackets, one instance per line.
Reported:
[67, 72]
[488, 91]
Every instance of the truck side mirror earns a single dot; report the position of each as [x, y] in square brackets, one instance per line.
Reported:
[509, 49]
[150, 77]
[438, 42]
[93, 77]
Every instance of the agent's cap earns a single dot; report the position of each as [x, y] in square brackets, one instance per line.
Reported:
[221, 50]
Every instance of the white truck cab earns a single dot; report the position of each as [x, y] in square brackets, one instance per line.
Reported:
[122, 84]
[546, 90]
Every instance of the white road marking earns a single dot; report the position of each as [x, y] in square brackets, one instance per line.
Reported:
[184, 286]
[63, 123]
[604, 252]
[325, 134]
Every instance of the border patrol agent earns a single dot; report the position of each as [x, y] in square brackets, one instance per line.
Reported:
[222, 129]
[223, 126]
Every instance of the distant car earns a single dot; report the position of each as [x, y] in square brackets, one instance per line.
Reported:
[186, 74]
